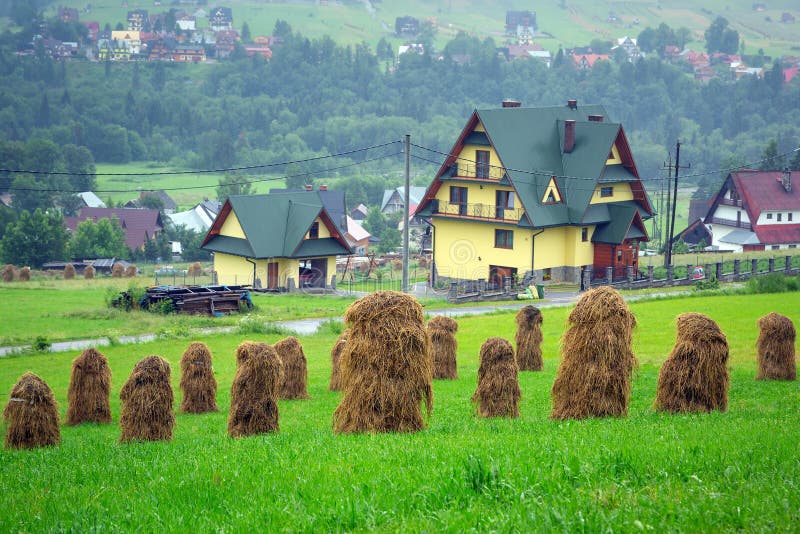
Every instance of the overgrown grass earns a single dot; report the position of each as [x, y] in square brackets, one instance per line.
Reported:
[720, 472]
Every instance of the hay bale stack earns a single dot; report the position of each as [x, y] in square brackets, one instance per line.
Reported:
[147, 402]
[25, 274]
[498, 393]
[247, 349]
[336, 358]
[594, 376]
[529, 339]
[69, 271]
[775, 344]
[295, 370]
[89, 389]
[195, 269]
[31, 415]
[88, 272]
[694, 377]
[385, 366]
[198, 384]
[117, 270]
[254, 393]
[443, 346]
[131, 271]
[8, 273]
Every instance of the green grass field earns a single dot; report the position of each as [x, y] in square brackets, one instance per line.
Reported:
[718, 472]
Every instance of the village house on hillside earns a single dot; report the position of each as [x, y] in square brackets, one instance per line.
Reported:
[139, 225]
[281, 241]
[537, 194]
[753, 210]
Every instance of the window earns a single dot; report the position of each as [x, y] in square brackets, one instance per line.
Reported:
[607, 191]
[780, 216]
[503, 239]
[619, 255]
[313, 232]
[776, 247]
[482, 163]
[504, 200]
[769, 216]
[792, 246]
[584, 234]
[789, 217]
[458, 198]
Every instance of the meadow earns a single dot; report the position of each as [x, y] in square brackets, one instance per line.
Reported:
[737, 470]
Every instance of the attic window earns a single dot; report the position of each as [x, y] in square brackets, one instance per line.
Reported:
[313, 232]
[552, 195]
[607, 191]
[769, 216]
[551, 198]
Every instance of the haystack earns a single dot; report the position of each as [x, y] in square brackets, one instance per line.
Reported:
[254, 393]
[89, 389]
[117, 270]
[31, 415]
[8, 273]
[195, 269]
[385, 366]
[498, 393]
[295, 370]
[88, 272]
[336, 358]
[247, 349]
[25, 274]
[529, 339]
[594, 376]
[198, 385]
[147, 402]
[443, 346]
[69, 271]
[131, 271]
[775, 344]
[694, 377]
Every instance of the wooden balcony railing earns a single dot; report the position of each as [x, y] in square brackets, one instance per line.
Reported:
[727, 222]
[478, 211]
[731, 202]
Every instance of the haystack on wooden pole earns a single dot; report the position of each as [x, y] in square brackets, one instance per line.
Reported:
[775, 344]
[594, 376]
[198, 384]
[254, 393]
[386, 370]
[529, 339]
[295, 369]
[498, 393]
[443, 346]
[247, 349]
[89, 389]
[131, 271]
[117, 270]
[31, 415]
[694, 377]
[69, 271]
[8, 273]
[336, 358]
[88, 272]
[25, 274]
[147, 402]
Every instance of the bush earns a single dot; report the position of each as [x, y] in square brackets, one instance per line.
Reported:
[772, 283]
[708, 283]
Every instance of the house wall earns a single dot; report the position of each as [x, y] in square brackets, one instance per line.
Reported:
[729, 213]
[231, 227]
[562, 247]
[484, 194]
[324, 232]
[232, 270]
[622, 191]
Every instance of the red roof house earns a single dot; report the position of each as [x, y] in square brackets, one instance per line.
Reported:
[139, 225]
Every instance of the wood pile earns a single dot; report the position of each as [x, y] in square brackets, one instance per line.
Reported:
[202, 300]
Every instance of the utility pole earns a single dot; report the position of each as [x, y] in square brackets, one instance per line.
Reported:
[406, 201]
[675, 199]
[664, 215]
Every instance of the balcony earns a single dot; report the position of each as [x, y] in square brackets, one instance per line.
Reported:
[477, 211]
[731, 202]
[478, 171]
[727, 222]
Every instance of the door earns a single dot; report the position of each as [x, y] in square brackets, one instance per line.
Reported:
[458, 198]
[272, 275]
[497, 274]
[482, 163]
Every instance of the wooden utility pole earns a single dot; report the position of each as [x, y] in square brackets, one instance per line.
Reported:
[664, 215]
[668, 256]
[406, 208]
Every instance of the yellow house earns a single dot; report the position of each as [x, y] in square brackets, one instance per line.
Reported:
[536, 194]
[279, 241]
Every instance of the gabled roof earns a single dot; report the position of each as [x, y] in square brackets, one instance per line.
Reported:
[332, 200]
[762, 191]
[624, 223]
[529, 143]
[139, 225]
[275, 225]
[415, 194]
[91, 200]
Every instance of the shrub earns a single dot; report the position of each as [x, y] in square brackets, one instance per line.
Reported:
[771, 283]
[708, 283]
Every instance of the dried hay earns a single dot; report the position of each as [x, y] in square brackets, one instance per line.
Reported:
[31, 415]
[336, 357]
[694, 377]
[443, 346]
[131, 271]
[594, 376]
[88, 272]
[295, 371]
[529, 339]
[69, 272]
[89, 389]
[147, 402]
[117, 270]
[247, 349]
[8, 273]
[498, 393]
[254, 393]
[385, 366]
[195, 269]
[25, 274]
[775, 344]
[397, 265]
[198, 384]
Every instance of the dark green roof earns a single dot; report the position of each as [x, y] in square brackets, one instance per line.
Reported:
[274, 227]
[320, 247]
[617, 173]
[619, 227]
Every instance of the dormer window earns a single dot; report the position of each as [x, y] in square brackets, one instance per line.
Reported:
[313, 232]
[606, 192]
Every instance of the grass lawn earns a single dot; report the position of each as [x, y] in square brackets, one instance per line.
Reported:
[719, 472]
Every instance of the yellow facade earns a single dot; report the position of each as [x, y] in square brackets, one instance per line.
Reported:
[236, 270]
[232, 227]
[622, 191]
[323, 230]
[481, 200]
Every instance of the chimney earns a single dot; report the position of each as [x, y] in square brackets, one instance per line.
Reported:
[323, 187]
[309, 187]
[596, 118]
[569, 136]
[507, 103]
[572, 103]
[786, 179]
